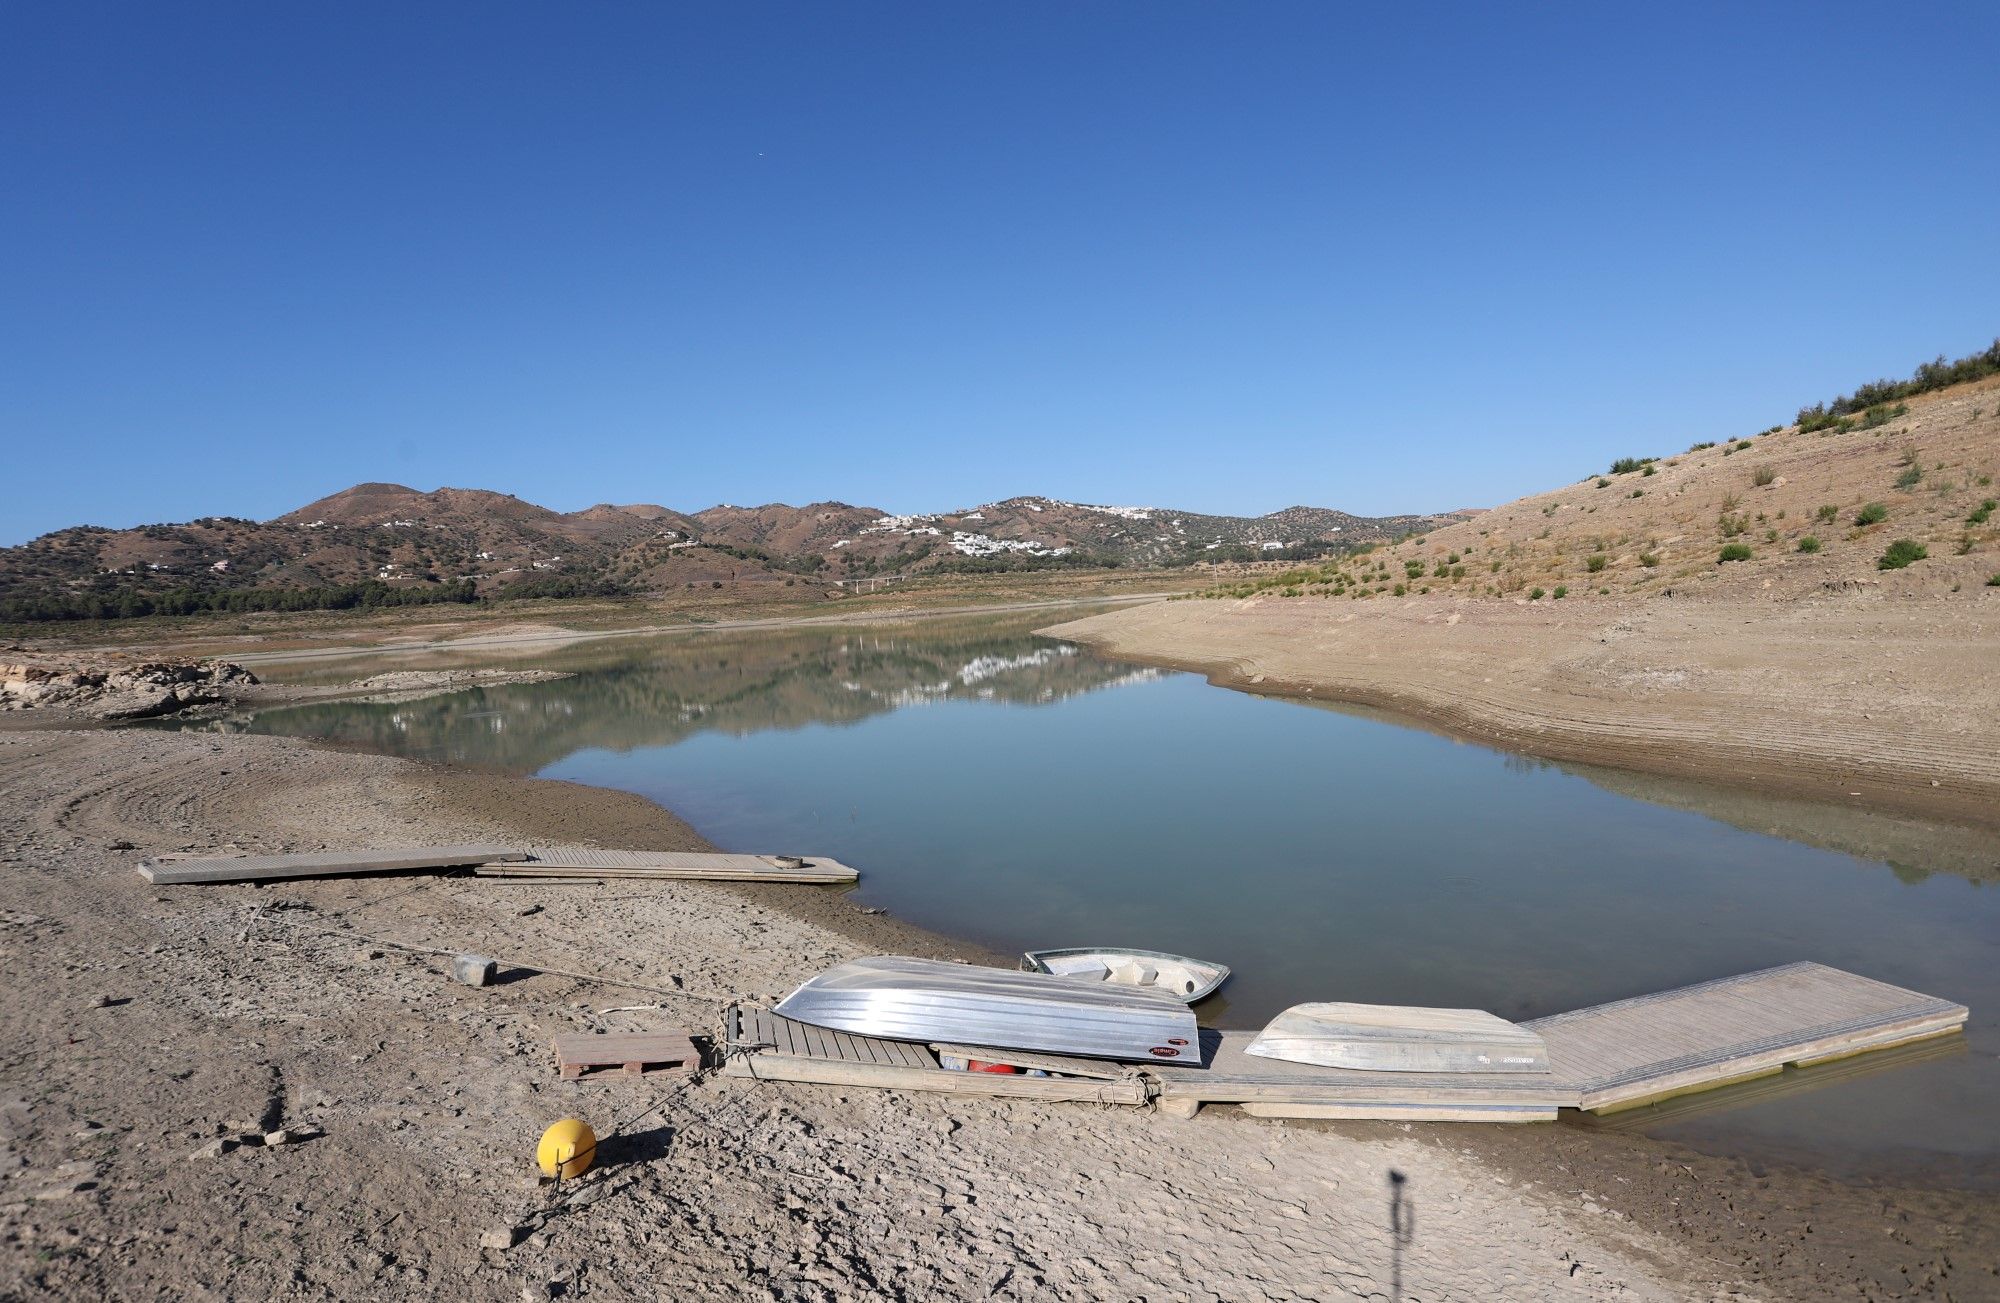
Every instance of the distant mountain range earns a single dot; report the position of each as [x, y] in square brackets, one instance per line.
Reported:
[406, 538]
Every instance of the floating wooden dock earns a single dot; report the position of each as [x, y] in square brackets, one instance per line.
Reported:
[583, 863]
[1608, 1057]
[321, 864]
[766, 1047]
[1652, 1047]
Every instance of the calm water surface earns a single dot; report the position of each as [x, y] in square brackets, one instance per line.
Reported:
[1024, 793]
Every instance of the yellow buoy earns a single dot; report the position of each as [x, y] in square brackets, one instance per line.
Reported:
[566, 1149]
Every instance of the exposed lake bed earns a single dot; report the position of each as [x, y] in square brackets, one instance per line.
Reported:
[1018, 792]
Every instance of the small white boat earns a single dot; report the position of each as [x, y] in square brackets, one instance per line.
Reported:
[1400, 1038]
[1187, 980]
[899, 998]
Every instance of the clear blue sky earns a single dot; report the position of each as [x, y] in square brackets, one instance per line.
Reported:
[1216, 256]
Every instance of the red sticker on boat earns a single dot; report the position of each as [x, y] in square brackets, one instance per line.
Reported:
[1176, 1040]
[1167, 1051]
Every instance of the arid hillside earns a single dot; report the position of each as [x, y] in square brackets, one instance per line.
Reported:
[1786, 513]
[1810, 610]
[387, 544]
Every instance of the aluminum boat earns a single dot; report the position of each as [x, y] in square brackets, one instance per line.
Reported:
[1187, 980]
[899, 998]
[1400, 1038]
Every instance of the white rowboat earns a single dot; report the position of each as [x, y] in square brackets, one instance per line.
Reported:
[1400, 1038]
[1187, 980]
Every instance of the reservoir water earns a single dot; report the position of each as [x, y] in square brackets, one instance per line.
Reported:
[1023, 792]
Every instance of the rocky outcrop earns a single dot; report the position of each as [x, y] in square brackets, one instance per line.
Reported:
[135, 691]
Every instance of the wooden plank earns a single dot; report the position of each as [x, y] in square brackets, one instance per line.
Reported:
[590, 862]
[321, 864]
[1380, 1112]
[835, 1072]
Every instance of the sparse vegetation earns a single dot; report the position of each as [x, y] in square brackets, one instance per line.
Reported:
[1982, 513]
[1872, 514]
[1733, 526]
[1650, 560]
[1931, 375]
[1827, 513]
[1762, 476]
[1734, 552]
[1626, 465]
[1809, 544]
[1901, 553]
[1596, 563]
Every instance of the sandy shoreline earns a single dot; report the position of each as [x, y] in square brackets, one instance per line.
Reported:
[237, 1007]
[1875, 704]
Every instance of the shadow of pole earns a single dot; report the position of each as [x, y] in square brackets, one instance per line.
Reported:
[1402, 1230]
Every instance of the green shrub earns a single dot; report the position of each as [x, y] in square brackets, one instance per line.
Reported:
[1649, 469]
[1650, 560]
[1901, 553]
[1732, 526]
[1982, 513]
[1762, 476]
[1734, 552]
[1872, 514]
[1626, 465]
[1535, 594]
[1400, 590]
[1638, 493]
[1597, 562]
[1697, 447]
[1809, 544]
[1908, 479]
[1826, 513]
[1993, 581]
[1602, 483]
[1562, 591]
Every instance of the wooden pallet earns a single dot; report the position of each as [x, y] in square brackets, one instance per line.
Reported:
[321, 864]
[587, 864]
[762, 1045]
[633, 1053]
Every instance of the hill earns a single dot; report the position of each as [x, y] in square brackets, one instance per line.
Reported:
[1813, 610]
[380, 543]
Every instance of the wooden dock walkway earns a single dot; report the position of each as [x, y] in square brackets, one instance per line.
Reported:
[1608, 1057]
[586, 863]
[321, 864]
[1652, 1047]
[554, 863]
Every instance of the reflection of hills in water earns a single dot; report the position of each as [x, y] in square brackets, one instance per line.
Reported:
[659, 692]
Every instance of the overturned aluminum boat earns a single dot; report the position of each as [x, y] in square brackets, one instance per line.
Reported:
[899, 998]
[1400, 1038]
[1187, 980]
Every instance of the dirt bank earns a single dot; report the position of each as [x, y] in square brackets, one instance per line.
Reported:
[142, 1024]
[1886, 703]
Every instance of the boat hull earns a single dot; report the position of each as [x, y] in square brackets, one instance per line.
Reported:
[1398, 1038]
[900, 998]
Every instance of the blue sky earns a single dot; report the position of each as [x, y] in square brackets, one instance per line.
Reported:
[1221, 257]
